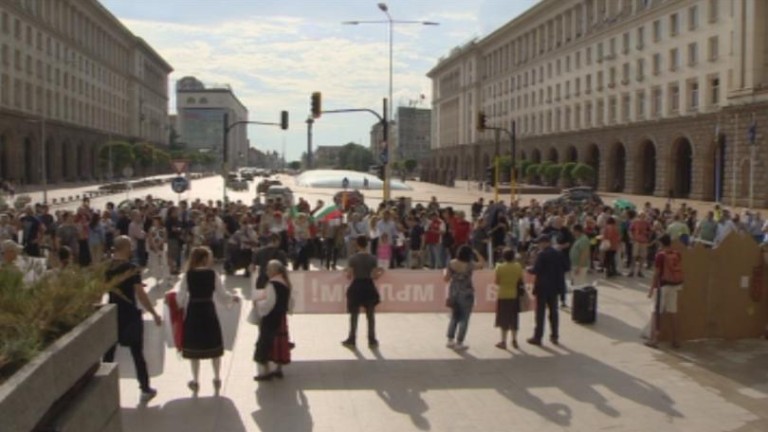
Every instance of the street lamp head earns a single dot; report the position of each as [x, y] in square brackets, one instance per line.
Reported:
[430, 23]
[383, 7]
[351, 22]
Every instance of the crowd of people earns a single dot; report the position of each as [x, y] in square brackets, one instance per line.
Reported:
[183, 243]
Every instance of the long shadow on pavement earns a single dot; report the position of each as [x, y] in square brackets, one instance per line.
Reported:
[400, 384]
[188, 415]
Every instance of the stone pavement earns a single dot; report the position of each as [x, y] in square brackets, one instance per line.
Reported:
[601, 378]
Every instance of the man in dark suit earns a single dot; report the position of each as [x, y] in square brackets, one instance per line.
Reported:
[550, 268]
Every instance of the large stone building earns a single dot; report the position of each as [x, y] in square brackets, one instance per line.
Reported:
[200, 118]
[657, 95]
[73, 76]
[414, 127]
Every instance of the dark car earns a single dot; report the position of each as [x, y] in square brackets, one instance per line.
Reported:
[575, 196]
[264, 185]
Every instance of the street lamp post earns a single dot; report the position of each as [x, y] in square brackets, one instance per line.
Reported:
[390, 22]
[310, 122]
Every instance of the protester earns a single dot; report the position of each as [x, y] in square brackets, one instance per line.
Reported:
[130, 325]
[579, 257]
[362, 270]
[549, 270]
[509, 278]
[273, 345]
[667, 282]
[461, 294]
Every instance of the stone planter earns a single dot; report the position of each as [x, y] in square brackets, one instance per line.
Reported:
[50, 389]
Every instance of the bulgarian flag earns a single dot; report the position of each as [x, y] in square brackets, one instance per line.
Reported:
[328, 213]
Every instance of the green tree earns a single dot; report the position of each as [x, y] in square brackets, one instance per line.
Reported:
[410, 165]
[552, 173]
[532, 173]
[121, 153]
[355, 157]
[294, 165]
[583, 173]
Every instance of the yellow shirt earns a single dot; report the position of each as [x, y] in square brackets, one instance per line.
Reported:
[508, 275]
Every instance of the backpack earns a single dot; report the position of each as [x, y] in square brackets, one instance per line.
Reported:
[672, 269]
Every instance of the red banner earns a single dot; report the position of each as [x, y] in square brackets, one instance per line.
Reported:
[400, 290]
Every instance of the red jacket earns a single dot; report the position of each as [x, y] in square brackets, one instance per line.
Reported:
[461, 230]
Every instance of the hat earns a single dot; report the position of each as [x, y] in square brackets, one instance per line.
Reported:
[8, 245]
[543, 238]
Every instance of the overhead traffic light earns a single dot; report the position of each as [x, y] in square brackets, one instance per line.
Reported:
[481, 121]
[490, 176]
[317, 105]
[284, 120]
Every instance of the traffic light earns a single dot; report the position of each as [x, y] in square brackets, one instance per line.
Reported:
[481, 121]
[317, 105]
[381, 172]
[490, 176]
[284, 120]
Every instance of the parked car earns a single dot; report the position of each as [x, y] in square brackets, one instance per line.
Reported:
[265, 184]
[281, 194]
[575, 196]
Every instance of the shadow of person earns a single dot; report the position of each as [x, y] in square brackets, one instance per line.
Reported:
[557, 413]
[405, 400]
[282, 408]
[205, 414]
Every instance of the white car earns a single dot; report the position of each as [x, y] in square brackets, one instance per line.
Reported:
[280, 193]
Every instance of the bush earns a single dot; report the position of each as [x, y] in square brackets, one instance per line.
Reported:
[532, 172]
[583, 173]
[552, 173]
[33, 315]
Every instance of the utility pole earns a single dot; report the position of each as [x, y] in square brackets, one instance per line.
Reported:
[310, 122]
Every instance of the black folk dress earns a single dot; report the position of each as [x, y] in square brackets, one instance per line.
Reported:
[202, 331]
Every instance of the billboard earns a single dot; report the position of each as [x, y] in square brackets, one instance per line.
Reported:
[202, 128]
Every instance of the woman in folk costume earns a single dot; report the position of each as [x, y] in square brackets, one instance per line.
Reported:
[202, 338]
[273, 345]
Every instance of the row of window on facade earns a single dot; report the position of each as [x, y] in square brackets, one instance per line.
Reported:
[52, 68]
[624, 108]
[657, 60]
[525, 48]
[27, 96]
[71, 22]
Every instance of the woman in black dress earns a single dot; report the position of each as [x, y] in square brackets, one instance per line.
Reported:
[202, 337]
[273, 305]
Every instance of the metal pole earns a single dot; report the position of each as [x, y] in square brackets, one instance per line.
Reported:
[752, 148]
[111, 164]
[496, 163]
[43, 161]
[733, 169]
[310, 122]
[224, 150]
[385, 136]
[391, 152]
[512, 177]
[752, 156]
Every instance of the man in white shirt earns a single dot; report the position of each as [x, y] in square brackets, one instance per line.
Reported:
[724, 228]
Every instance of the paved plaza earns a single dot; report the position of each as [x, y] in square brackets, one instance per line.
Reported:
[600, 378]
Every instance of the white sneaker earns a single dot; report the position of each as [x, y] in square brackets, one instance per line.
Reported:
[460, 347]
[148, 395]
[451, 344]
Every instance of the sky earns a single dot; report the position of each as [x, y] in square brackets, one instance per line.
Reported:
[275, 53]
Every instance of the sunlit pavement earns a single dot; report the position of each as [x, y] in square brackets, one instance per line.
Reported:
[600, 378]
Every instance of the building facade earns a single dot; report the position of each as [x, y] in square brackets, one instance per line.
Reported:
[659, 96]
[72, 76]
[200, 118]
[414, 129]
[377, 137]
